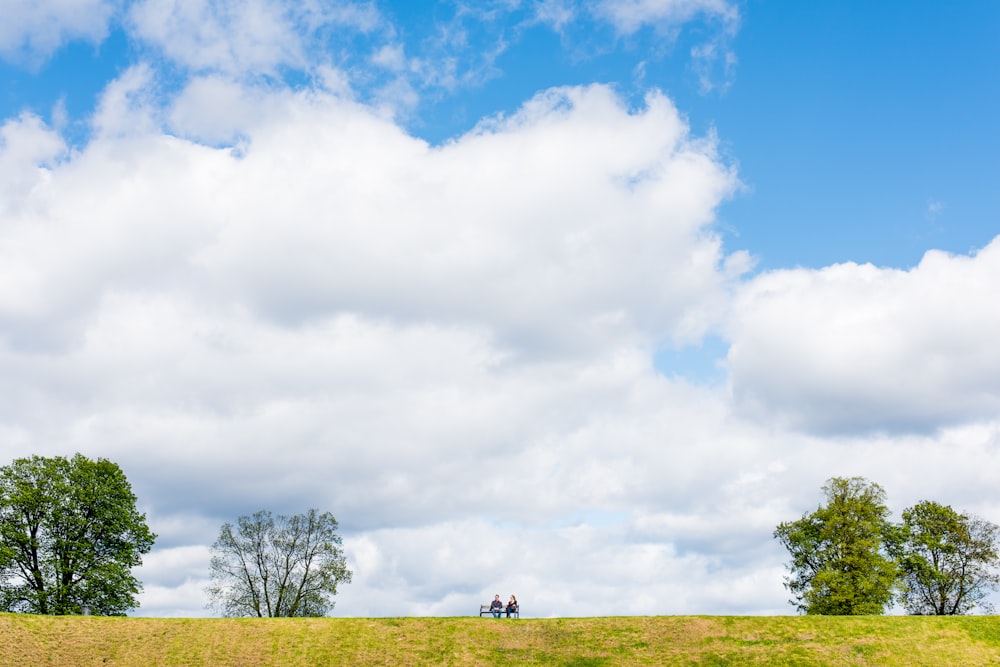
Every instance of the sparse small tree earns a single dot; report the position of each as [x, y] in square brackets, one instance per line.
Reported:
[270, 566]
[70, 535]
[948, 560]
[840, 564]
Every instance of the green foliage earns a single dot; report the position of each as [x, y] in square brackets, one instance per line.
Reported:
[947, 560]
[840, 564]
[277, 566]
[69, 536]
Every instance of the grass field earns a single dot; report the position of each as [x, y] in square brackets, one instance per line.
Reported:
[27, 640]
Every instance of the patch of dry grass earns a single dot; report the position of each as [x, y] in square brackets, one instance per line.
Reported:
[581, 642]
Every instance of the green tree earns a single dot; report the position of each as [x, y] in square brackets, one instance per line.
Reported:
[277, 566]
[947, 560]
[69, 536]
[840, 564]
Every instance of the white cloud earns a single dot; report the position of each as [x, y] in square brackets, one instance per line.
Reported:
[713, 60]
[127, 106]
[339, 315]
[377, 209]
[715, 64]
[450, 348]
[580, 571]
[216, 110]
[28, 149]
[239, 37]
[934, 209]
[390, 56]
[32, 30]
[854, 347]
[175, 601]
[556, 13]
[231, 36]
[628, 16]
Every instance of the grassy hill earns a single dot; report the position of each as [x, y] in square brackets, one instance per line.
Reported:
[671, 640]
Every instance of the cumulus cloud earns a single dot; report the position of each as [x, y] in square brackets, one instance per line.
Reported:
[855, 347]
[377, 209]
[298, 305]
[333, 313]
[31, 30]
[583, 569]
[27, 149]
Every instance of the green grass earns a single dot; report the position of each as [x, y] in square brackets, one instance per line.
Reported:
[573, 642]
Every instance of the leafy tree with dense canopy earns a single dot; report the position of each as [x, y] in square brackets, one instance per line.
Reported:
[277, 566]
[69, 536]
[840, 564]
[948, 560]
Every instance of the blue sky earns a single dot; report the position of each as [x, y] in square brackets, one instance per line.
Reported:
[885, 113]
[621, 282]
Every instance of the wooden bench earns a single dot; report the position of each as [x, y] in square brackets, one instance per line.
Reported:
[484, 610]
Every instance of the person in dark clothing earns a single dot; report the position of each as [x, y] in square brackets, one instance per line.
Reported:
[511, 605]
[496, 607]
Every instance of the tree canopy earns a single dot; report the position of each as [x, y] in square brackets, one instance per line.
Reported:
[847, 558]
[69, 535]
[948, 560]
[277, 566]
[840, 563]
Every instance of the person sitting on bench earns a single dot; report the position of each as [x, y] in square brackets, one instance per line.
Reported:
[496, 607]
[511, 605]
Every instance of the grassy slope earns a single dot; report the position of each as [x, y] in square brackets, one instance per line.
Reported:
[671, 640]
